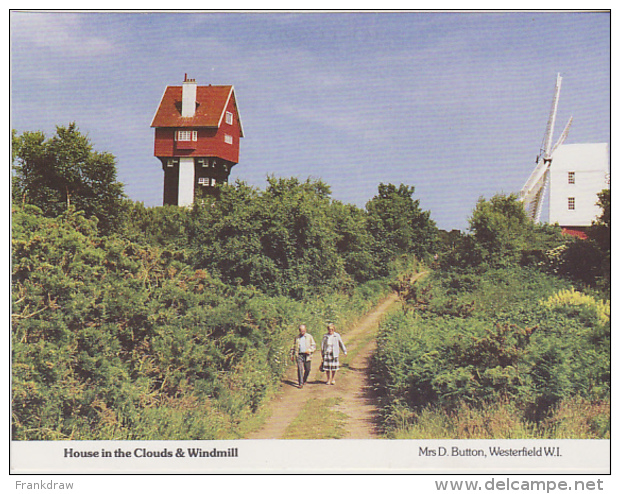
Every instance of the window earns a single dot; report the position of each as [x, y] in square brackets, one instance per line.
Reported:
[571, 203]
[171, 162]
[184, 135]
[229, 118]
[187, 135]
[207, 181]
[205, 162]
[228, 139]
[571, 178]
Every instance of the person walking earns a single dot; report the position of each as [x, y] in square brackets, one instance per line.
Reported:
[301, 353]
[331, 344]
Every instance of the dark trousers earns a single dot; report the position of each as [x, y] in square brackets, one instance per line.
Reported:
[303, 367]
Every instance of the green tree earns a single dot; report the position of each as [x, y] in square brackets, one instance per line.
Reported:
[604, 202]
[588, 260]
[499, 226]
[285, 240]
[506, 236]
[600, 232]
[398, 224]
[354, 241]
[64, 171]
[300, 233]
[225, 237]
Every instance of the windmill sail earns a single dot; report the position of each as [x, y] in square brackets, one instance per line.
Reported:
[533, 192]
[546, 147]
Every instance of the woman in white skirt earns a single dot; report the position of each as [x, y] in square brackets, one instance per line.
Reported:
[330, 350]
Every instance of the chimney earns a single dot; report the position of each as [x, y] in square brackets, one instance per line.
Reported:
[188, 101]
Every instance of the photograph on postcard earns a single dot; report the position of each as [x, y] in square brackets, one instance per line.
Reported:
[383, 236]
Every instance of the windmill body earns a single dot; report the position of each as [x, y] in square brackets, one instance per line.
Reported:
[574, 174]
[579, 172]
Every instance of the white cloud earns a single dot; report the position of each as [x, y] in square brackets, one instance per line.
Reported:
[59, 32]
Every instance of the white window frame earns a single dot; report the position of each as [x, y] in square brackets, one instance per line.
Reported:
[228, 139]
[229, 118]
[186, 135]
[571, 178]
[207, 181]
[571, 203]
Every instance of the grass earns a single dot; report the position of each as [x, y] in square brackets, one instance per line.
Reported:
[318, 420]
[573, 418]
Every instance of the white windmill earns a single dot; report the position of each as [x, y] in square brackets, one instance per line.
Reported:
[533, 192]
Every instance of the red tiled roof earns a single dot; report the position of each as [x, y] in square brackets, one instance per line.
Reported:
[575, 232]
[211, 103]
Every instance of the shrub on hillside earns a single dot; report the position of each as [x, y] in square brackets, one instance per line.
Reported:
[114, 339]
[525, 342]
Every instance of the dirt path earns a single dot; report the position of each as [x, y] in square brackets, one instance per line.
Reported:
[353, 386]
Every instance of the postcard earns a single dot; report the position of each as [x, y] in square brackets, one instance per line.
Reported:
[310, 242]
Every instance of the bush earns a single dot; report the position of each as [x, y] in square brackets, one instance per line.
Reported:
[491, 338]
[117, 339]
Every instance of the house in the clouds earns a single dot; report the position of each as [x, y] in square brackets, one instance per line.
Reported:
[197, 133]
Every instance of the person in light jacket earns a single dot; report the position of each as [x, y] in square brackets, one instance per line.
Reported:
[301, 353]
[331, 344]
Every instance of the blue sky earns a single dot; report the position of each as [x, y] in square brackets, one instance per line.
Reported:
[454, 104]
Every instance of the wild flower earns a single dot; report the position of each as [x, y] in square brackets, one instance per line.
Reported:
[574, 298]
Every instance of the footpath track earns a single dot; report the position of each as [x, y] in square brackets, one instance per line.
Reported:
[353, 388]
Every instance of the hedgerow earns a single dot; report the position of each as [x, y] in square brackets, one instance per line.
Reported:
[513, 336]
[113, 339]
[174, 323]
